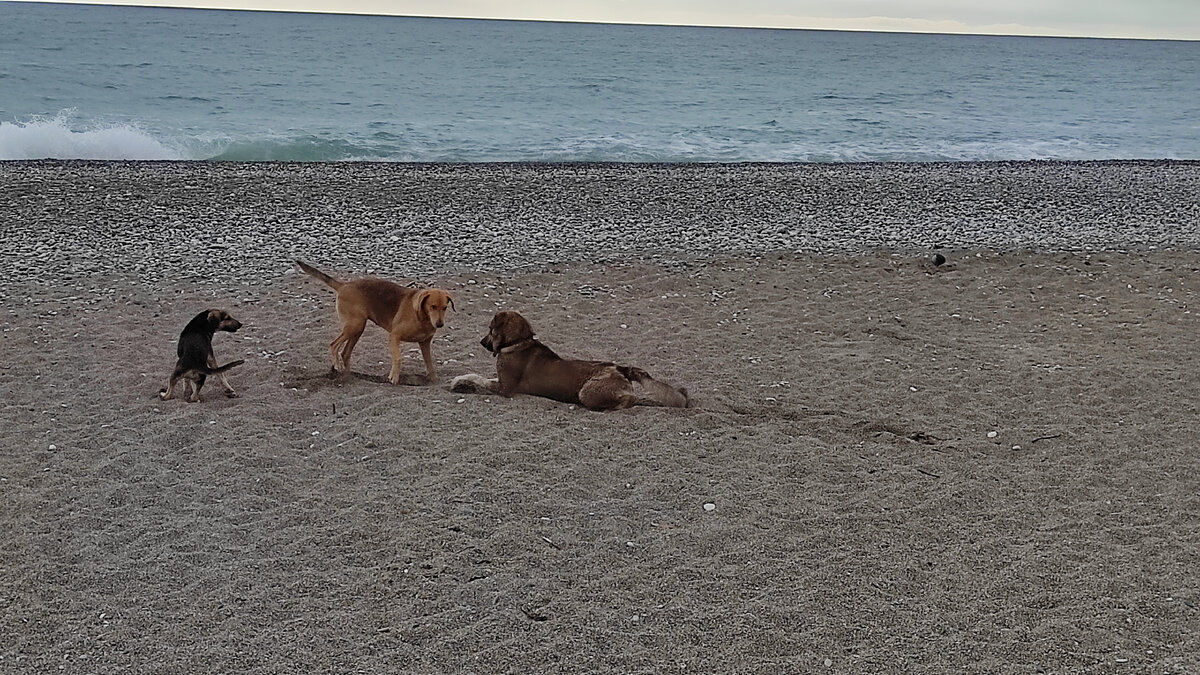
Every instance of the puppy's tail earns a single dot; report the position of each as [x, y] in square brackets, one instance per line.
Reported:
[319, 275]
[221, 369]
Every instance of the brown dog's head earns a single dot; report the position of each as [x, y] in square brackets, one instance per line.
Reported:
[219, 319]
[433, 302]
[506, 329]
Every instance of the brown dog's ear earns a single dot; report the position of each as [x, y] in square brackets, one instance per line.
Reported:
[214, 316]
[516, 328]
[450, 298]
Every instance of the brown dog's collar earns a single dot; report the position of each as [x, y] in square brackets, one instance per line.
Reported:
[516, 346]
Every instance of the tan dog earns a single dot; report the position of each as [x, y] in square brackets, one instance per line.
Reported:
[526, 366]
[407, 314]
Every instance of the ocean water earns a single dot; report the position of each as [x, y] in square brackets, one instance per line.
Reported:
[101, 82]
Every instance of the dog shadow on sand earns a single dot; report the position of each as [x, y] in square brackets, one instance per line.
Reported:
[313, 382]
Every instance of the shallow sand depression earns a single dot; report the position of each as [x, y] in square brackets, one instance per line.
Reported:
[889, 466]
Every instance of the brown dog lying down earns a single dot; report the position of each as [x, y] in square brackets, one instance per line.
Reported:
[196, 361]
[407, 314]
[526, 366]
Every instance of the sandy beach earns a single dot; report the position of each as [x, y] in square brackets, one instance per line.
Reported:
[889, 466]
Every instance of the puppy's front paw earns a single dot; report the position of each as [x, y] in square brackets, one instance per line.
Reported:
[232, 394]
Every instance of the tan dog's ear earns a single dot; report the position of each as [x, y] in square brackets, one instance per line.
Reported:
[419, 299]
[450, 299]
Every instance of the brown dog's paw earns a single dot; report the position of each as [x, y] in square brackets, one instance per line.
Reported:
[473, 384]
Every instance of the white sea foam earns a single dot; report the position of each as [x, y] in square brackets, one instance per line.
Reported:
[65, 136]
[69, 136]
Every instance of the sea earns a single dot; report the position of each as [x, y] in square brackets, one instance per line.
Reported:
[110, 82]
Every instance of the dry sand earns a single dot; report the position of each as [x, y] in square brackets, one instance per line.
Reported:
[987, 467]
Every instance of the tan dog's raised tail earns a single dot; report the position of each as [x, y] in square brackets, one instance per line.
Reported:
[526, 366]
[407, 314]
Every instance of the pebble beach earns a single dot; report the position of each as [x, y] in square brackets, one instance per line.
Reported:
[890, 465]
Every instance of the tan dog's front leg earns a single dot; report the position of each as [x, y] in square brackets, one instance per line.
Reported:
[427, 353]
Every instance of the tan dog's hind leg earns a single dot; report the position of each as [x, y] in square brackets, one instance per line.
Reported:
[397, 356]
[343, 345]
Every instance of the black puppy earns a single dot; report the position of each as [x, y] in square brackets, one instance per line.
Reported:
[196, 361]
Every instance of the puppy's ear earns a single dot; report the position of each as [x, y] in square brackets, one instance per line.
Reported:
[214, 316]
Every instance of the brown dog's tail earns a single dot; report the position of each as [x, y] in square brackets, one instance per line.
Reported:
[221, 369]
[319, 275]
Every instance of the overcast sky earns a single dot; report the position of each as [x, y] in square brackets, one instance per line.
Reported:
[1174, 19]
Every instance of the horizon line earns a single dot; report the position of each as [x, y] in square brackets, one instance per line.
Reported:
[967, 33]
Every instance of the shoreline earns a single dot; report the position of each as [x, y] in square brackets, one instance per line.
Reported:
[408, 219]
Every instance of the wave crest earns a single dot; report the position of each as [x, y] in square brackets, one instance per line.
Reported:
[65, 136]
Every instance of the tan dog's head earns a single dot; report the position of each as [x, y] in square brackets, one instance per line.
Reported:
[219, 319]
[433, 302]
[506, 329]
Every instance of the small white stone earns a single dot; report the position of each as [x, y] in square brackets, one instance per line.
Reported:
[992, 434]
[462, 400]
[709, 506]
[53, 446]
